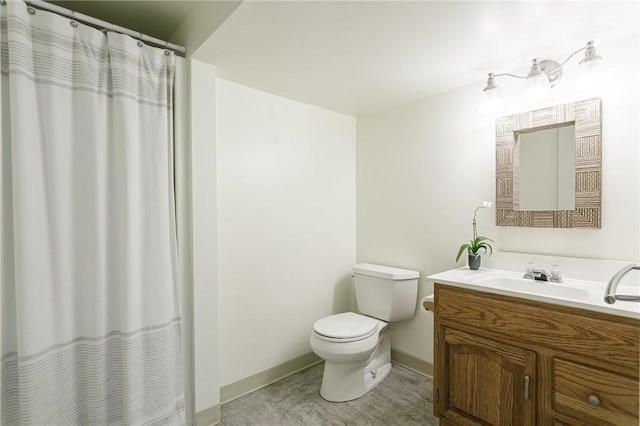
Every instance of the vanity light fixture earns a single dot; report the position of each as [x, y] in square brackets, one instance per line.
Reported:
[544, 75]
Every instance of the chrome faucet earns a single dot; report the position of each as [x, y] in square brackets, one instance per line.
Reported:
[534, 273]
[610, 295]
[539, 274]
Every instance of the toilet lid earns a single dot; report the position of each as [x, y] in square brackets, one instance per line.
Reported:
[348, 325]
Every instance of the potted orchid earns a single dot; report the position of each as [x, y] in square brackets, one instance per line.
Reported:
[478, 242]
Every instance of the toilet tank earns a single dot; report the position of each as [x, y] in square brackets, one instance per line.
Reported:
[386, 293]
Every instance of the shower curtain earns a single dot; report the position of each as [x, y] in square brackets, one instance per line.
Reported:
[90, 292]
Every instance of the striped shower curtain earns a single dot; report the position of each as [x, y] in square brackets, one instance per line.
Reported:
[90, 296]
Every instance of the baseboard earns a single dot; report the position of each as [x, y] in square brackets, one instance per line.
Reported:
[209, 416]
[264, 378]
[412, 363]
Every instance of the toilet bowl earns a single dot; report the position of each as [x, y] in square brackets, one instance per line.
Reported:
[357, 354]
[356, 347]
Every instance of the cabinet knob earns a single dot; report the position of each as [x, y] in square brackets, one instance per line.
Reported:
[593, 400]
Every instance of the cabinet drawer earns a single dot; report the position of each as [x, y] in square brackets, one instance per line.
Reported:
[594, 396]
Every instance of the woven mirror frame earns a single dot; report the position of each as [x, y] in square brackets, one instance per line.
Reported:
[587, 117]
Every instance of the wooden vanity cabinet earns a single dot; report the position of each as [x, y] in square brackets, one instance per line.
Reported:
[508, 361]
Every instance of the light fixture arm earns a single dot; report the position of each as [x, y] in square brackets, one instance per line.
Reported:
[589, 44]
[507, 74]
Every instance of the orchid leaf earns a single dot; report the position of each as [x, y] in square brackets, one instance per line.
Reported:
[475, 245]
[462, 249]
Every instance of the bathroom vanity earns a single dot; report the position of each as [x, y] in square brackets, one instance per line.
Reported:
[509, 351]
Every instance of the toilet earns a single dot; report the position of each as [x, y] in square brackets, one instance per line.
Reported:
[356, 347]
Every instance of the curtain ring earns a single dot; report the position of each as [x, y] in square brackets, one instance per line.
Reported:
[30, 10]
[140, 43]
[166, 47]
[73, 22]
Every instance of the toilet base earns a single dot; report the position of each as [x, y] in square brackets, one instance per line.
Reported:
[346, 381]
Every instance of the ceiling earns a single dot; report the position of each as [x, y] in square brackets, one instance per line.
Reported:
[158, 19]
[359, 57]
[183, 22]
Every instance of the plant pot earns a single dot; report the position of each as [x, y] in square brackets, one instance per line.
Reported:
[474, 261]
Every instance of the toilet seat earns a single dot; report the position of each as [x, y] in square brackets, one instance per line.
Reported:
[345, 327]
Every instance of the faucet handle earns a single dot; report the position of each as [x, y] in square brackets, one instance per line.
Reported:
[531, 266]
[555, 274]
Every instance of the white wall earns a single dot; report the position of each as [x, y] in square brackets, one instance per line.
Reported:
[205, 270]
[286, 225]
[424, 167]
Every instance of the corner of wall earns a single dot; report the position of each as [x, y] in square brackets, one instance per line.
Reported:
[209, 417]
[205, 252]
[201, 23]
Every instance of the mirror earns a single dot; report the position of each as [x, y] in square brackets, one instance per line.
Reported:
[549, 168]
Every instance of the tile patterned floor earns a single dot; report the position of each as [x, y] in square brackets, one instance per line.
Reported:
[402, 399]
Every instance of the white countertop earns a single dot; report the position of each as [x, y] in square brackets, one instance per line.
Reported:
[588, 295]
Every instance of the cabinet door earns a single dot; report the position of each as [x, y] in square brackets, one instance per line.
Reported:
[480, 381]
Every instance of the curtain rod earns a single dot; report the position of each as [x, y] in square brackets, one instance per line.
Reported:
[40, 4]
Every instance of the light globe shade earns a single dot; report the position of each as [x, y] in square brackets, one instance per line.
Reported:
[492, 102]
[591, 76]
[537, 87]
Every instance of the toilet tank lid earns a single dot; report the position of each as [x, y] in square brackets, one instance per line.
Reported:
[387, 272]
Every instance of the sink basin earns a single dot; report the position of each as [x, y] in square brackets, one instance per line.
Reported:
[565, 290]
[569, 289]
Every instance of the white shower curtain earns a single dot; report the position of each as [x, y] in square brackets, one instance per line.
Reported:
[90, 296]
